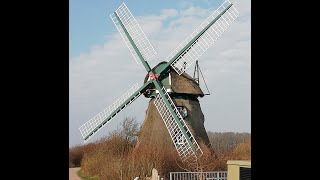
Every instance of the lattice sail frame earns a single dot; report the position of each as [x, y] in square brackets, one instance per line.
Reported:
[136, 33]
[196, 49]
[89, 127]
[184, 149]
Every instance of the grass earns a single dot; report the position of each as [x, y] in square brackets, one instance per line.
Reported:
[80, 174]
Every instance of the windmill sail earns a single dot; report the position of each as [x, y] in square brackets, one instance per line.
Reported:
[203, 37]
[91, 127]
[126, 23]
[180, 59]
[185, 144]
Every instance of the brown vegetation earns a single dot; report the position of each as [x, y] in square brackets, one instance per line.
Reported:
[75, 156]
[226, 142]
[115, 156]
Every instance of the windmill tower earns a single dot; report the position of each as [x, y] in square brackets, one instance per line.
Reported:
[184, 91]
[158, 85]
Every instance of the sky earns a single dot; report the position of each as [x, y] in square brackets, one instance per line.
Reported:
[102, 69]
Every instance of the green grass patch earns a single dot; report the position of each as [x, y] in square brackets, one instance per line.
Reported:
[83, 177]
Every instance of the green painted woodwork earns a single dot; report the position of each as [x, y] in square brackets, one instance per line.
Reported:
[160, 68]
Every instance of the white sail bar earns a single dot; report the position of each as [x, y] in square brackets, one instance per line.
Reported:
[139, 38]
[184, 149]
[197, 48]
[96, 123]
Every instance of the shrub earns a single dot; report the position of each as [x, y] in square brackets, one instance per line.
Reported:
[75, 156]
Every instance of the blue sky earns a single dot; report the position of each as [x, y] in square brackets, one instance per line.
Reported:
[101, 68]
[89, 21]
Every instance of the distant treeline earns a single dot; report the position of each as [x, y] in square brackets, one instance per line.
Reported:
[222, 142]
[114, 156]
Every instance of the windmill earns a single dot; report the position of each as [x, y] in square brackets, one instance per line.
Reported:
[154, 86]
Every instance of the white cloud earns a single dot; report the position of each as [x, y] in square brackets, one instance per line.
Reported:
[98, 78]
[169, 13]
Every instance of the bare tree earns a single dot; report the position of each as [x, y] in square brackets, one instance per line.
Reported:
[130, 129]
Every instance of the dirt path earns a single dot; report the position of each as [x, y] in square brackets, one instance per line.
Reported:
[73, 173]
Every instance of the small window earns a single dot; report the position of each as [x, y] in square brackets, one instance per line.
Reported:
[183, 111]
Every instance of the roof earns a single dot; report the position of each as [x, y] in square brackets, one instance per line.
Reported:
[184, 84]
[181, 84]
